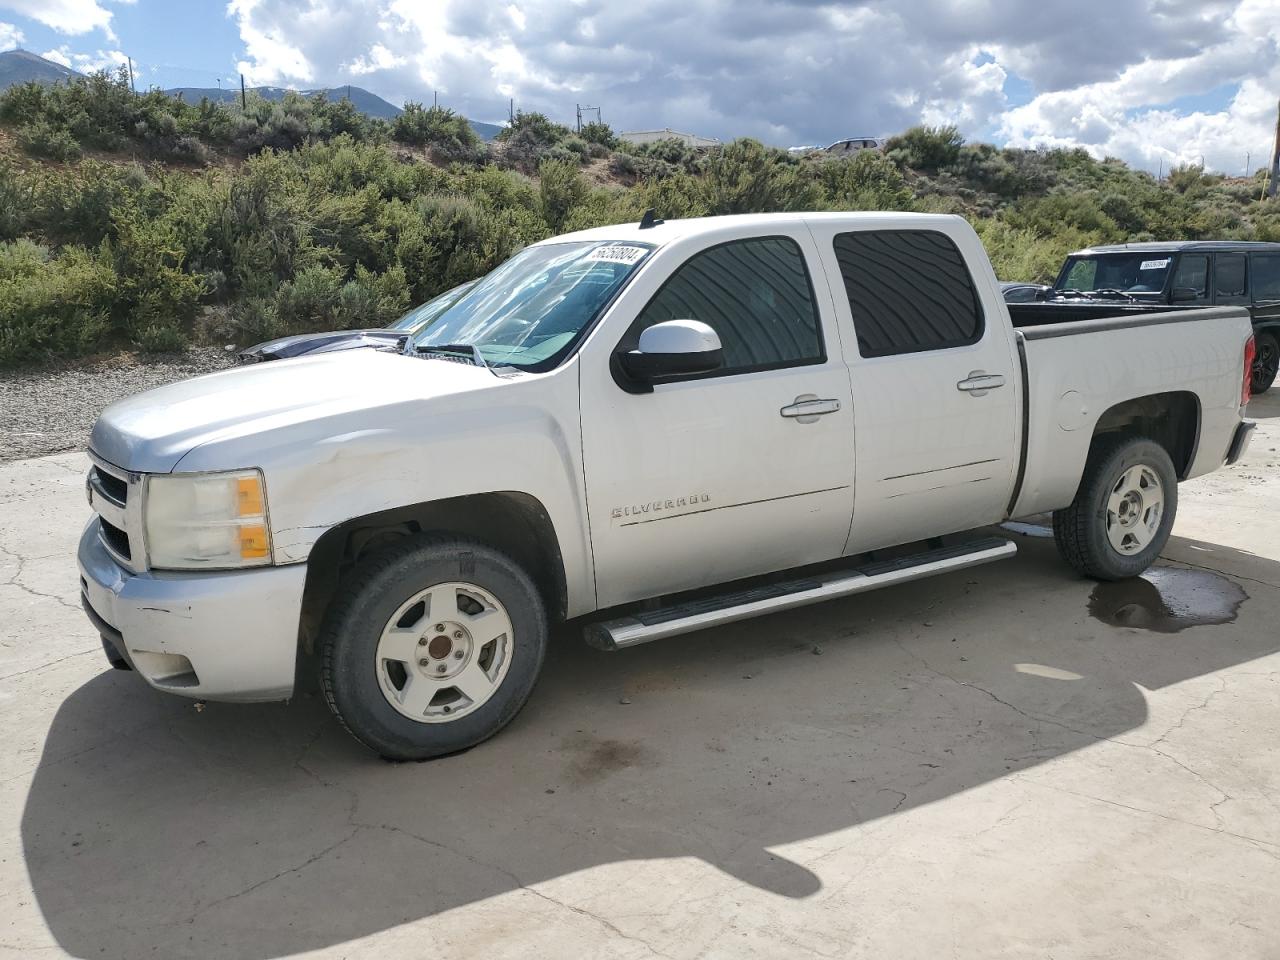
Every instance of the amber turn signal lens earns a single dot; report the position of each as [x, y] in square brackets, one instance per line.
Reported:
[253, 541]
[249, 497]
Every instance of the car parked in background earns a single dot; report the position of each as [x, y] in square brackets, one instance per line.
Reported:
[331, 341]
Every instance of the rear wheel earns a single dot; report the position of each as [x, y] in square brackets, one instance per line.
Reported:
[1123, 512]
[431, 647]
[1265, 363]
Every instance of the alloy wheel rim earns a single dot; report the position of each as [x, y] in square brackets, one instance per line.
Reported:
[1135, 508]
[444, 652]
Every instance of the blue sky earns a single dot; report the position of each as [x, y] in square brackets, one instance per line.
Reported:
[1153, 81]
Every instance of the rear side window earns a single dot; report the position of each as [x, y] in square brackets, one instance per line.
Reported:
[755, 294]
[1266, 276]
[1229, 278]
[909, 290]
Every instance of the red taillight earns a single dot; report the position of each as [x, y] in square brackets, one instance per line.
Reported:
[1250, 354]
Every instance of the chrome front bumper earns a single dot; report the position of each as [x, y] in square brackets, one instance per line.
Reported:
[229, 635]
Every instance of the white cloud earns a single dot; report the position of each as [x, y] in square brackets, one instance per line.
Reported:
[66, 16]
[109, 60]
[10, 36]
[803, 71]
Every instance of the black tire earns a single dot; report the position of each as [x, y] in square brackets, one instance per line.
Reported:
[1265, 363]
[1080, 530]
[364, 604]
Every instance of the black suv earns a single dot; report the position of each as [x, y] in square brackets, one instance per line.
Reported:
[1193, 273]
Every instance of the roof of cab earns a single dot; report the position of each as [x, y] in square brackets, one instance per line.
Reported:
[667, 231]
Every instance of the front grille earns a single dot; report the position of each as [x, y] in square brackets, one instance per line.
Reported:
[115, 538]
[114, 488]
[117, 500]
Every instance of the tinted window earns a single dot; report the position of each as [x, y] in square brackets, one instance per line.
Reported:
[1266, 276]
[1192, 275]
[755, 294]
[909, 290]
[1229, 277]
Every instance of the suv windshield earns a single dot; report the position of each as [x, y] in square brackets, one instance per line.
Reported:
[1132, 273]
[529, 311]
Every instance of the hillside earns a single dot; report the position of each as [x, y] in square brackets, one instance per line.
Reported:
[23, 66]
[155, 222]
[370, 104]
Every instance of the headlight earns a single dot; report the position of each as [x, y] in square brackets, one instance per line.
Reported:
[207, 520]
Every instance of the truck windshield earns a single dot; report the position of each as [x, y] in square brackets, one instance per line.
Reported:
[529, 311]
[1131, 273]
[421, 315]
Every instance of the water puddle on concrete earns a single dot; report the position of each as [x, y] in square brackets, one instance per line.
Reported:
[1167, 599]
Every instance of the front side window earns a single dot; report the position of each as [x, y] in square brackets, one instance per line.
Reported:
[1191, 279]
[908, 290]
[1229, 278]
[1266, 276]
[755, 294]
[529, 312]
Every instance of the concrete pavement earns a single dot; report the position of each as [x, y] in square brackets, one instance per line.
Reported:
[974, 766]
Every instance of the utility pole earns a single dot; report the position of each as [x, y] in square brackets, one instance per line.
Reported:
[1275, 158]
[581, 108]
[244, 97]
[131, 85]
[1247, 155]
[435, 98]
[511, 110]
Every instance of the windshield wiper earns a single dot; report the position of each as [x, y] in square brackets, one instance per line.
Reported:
[1113, 292]
[477, 358]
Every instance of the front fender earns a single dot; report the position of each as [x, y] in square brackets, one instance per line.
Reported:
[521, 438]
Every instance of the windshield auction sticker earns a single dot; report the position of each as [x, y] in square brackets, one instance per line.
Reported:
[617, 253]
[1154, 264]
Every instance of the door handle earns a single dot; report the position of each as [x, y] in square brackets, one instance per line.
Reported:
[978, 383]
[808, 407]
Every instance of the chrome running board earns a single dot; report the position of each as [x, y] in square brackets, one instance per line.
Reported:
[714, 611]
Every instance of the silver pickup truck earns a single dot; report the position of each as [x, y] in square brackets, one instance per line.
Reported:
[649, 428]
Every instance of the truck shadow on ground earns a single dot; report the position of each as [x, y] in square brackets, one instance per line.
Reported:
[154, 829]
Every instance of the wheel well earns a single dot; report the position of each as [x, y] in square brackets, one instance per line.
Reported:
[515, 523]
[1170, 419]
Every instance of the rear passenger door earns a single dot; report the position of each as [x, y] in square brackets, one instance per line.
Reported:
[936, 388]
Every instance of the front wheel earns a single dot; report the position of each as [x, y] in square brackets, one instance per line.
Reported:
[1265, 363]
[432, 646]
[1123, 512]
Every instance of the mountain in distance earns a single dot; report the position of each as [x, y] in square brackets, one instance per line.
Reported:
[23, 66]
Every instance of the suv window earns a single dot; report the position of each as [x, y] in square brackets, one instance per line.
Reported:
[755, 294]
[909, 290]
[1229, 281]
[1266, 276]
[1192, 274]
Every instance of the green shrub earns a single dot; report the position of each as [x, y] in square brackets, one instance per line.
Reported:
[448, 135]
[925, 148]
[560, 191]
[42, 139]
[59, 308]
[747, 177]
[865, 181]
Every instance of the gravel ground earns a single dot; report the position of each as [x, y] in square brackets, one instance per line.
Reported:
[51, 409]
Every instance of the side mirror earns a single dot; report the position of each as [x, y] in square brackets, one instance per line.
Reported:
[671, 349]
[1184, 295]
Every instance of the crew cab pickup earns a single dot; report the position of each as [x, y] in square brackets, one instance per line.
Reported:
[649, 429]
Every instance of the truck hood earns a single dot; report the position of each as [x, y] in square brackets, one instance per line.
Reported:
[302, 344]
[151, 432]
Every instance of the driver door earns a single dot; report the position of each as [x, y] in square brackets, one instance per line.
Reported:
[714, 477]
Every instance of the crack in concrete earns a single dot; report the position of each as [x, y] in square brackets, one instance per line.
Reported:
[1221, 573]
[15, 581]
[521, 885]
[51, 663]
[1213, 807]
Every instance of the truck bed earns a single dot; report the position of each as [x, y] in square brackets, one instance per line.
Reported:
[1042, 314]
